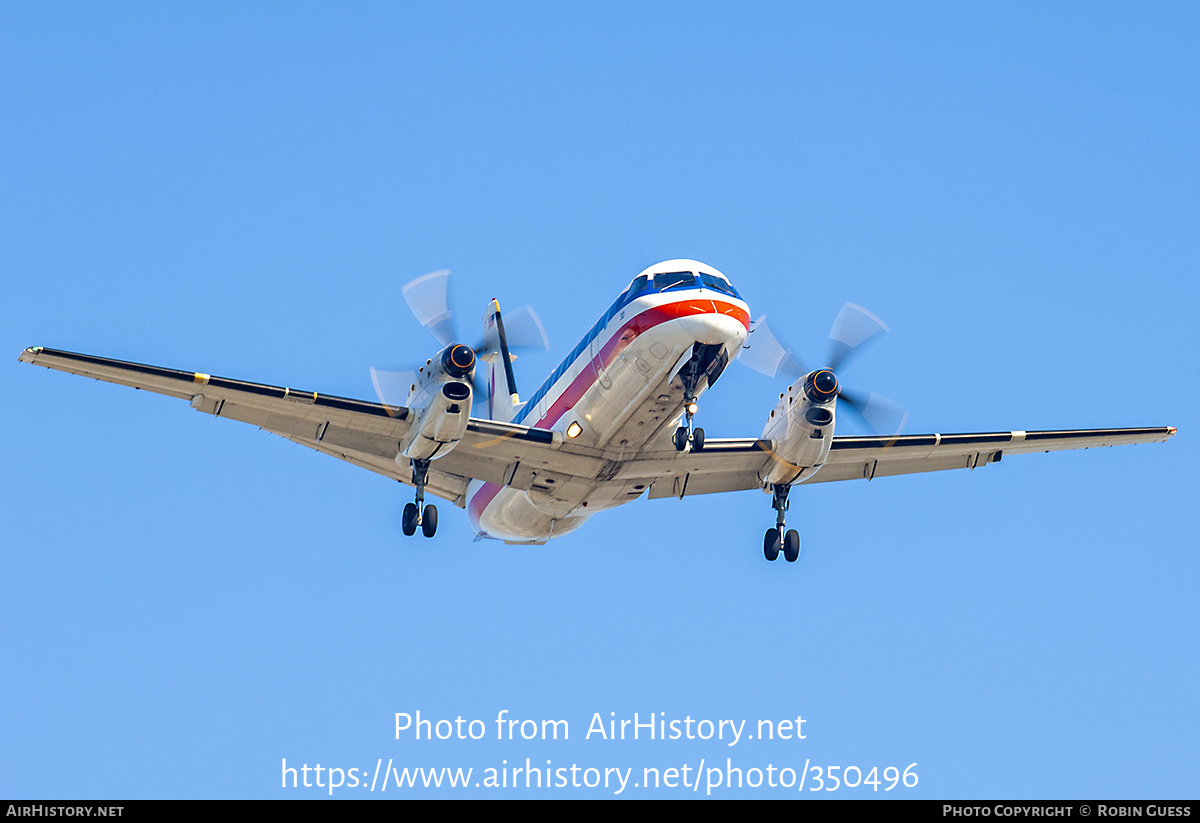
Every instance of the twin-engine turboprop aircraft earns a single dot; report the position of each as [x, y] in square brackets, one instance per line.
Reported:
[613, 422]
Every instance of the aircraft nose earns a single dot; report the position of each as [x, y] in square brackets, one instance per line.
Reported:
[712, 327]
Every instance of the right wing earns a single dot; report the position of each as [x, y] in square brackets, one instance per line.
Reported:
[360, 432]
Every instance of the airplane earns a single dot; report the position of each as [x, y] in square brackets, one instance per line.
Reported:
[614, 422]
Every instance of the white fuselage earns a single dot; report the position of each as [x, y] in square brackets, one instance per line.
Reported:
[621, 386]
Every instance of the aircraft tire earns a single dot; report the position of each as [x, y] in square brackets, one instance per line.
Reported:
[680, 439]
[409, 520]
[429, 521]
[697, 440]
[791, 546]
[771, 544]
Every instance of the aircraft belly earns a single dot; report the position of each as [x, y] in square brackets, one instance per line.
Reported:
[512, 517]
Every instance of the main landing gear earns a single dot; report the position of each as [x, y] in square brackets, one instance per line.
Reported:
[686, 434]
[790, 542]
[413, 516]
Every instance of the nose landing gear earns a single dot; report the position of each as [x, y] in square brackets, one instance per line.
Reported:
[413, 516]
[686, 434]
[776, 538]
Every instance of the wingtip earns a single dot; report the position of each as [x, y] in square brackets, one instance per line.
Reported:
[29, 354]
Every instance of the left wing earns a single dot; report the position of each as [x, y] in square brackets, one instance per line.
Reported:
[357, 431]
[869, 457]
[734, 465]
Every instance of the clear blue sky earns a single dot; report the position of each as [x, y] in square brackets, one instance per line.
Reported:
[242, 189]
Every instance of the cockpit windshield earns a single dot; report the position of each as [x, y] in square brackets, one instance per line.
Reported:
[719, 283]
[680, 280]
[638, 286]
[674, 280]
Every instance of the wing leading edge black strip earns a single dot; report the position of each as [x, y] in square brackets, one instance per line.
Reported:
[883, 442]
[990, 438]
[1165, 431]
[736, 445]
[492, 428]
[200, 380]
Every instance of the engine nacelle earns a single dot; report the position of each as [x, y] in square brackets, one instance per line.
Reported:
[801, 427]
[440, 402]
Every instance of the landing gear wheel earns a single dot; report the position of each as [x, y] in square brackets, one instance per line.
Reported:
[681, 439]
[791, 546]
[697, 440]
[771, 544]
[429, 522]
[409, 521]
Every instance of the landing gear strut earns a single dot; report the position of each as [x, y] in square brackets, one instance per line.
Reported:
[686, 434]
[790, 542]
[413, 516]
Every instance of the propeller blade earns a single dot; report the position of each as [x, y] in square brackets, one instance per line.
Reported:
[523, 329]
[852, 327]
[427, 297]
[881, 415]
[393, 387]
[765, 354]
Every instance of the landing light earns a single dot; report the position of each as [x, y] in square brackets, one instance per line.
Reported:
[574, 429]
[692, 408]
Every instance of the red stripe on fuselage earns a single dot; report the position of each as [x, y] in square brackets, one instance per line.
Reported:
[588, 375]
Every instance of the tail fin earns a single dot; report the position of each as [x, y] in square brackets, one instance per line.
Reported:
[500, 386]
